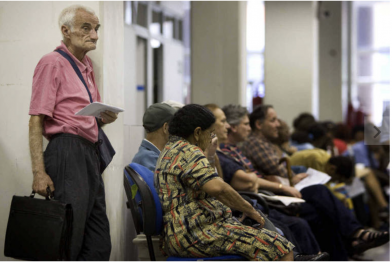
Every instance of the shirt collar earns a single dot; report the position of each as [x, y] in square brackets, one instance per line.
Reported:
[82, 66]
[152, 145]
[259, 136]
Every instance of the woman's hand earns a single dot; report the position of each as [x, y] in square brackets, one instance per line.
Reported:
[211, 150]
[255, 216]
[299, 177]
[291, 191]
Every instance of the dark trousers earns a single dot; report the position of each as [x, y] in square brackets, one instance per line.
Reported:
[331, 222]
[72, 163]
[296, 230]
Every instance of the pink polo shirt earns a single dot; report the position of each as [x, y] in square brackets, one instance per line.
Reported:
[58, 94]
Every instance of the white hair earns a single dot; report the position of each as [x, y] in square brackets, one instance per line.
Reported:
[176, 105]
[68, 14]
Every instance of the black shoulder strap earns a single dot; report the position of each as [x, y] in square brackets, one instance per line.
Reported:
[77, 71]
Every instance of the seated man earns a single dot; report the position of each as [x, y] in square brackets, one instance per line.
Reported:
[332, 223]
[156, 123]
[242, 178]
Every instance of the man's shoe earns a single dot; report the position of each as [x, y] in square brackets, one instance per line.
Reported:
[324, 256]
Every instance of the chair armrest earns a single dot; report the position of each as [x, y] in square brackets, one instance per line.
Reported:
[265, 192]
[288, 167]
[260, 199]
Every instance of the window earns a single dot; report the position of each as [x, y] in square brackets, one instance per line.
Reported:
[370, 89]
[156, 25]
[169, 27]
[255, 43]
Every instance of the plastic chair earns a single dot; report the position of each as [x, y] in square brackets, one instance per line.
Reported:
[146, 209]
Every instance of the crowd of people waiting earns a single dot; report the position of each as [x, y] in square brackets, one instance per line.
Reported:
[202, 157]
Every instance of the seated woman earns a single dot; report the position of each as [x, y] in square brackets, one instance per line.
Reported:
[197, 203]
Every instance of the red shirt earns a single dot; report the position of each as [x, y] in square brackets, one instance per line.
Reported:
[58, 94]
[340, 145]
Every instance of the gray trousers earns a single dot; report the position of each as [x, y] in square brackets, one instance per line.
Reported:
[72, 162]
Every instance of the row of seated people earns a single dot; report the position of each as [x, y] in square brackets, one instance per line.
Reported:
[339, 139]
[195, 154]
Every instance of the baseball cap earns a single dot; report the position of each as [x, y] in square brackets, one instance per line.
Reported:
[156, 115]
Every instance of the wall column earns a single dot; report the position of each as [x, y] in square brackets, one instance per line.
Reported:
[333, 93]
[291, 58]
[218, 52]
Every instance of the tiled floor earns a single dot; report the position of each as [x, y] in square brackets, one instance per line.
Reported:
[381, 253]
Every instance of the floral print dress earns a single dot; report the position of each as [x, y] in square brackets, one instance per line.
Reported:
[195, 223]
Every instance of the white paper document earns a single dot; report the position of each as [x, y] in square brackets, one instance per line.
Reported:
[314, 178]
[284, 199]
[96, 108]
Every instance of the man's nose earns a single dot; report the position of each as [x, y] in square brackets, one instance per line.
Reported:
[227, 126]
[94, 34]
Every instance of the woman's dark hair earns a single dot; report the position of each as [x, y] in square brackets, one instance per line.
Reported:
[344, 166]
[300, 137]
[317, 131]
[357, 129]
[188, 118]
[343, 132]
[259, 113]
[303, 122]
[319, 137]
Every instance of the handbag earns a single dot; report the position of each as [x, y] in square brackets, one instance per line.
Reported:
[38, 229]
[106, 150]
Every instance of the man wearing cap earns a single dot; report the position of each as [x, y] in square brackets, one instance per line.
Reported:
[156, 123]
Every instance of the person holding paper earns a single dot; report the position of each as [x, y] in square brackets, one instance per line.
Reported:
[339, 168]
[70, 164]
[242, 177]
[197, 203]
[332, 223]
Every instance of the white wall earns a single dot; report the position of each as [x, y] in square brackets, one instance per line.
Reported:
[173, 67]
[28, 30]
[290, 64]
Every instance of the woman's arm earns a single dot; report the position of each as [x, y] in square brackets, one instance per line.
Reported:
[243, 181]
[250, 182]
[228, 196]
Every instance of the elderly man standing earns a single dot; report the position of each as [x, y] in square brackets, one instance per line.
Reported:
[70, 164]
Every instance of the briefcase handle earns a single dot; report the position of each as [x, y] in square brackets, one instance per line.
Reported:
[49, 195]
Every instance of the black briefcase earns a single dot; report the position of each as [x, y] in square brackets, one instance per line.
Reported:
[38, 229]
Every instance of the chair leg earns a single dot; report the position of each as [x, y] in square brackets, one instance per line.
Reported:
[150, 248]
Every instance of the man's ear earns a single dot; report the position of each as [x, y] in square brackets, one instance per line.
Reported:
[233, 128]
[197, 133]
[66, 31]
[258, 124]
[166, 128]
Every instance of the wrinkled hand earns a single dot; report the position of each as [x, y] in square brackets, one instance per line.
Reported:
[255, 216]
[108, 117]
[211, 150]
[41, 181]
[291, 191]
[299, 177]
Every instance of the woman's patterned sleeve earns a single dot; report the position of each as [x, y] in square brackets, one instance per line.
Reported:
[198, 171]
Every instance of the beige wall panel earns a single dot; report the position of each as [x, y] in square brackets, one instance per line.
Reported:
[290, 66]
